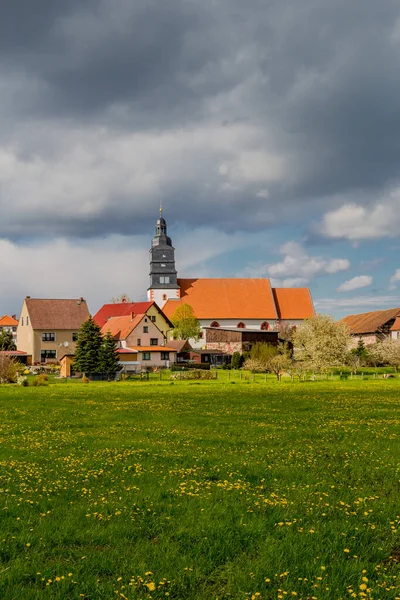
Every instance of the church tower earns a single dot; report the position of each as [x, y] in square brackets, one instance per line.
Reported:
[163, 275]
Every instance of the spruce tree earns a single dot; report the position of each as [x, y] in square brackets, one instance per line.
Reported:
[109, 361]
[7, 340]
[88, 347]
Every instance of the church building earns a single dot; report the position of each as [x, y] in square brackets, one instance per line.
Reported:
[229, 303]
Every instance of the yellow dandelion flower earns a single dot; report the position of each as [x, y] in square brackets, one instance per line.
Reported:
[151, 586]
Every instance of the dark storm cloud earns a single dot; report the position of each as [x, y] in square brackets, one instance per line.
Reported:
[319, 81]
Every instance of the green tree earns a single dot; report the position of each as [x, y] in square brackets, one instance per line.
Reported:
[185, 324]
[320, 342]
[7, 340]
[237, 360]
[88, 347]
[109, 361]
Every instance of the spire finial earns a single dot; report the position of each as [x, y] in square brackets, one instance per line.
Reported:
[160, 207]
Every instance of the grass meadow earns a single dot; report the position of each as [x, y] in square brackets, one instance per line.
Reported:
[195, 491]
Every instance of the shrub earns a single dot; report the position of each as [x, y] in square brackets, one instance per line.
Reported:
[193, 374]
[41, 380]
[8, 370]
[22, 381]
[237, 360]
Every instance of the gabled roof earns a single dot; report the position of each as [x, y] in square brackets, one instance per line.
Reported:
[370, 322]
[120, 309]
[225, 298]
[180, 345]
[153, 349]
[7, 321]
[121, 327]
[57, 314]
[396, 325]
[293, 303]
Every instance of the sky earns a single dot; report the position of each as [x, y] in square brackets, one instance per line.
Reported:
[269, 130]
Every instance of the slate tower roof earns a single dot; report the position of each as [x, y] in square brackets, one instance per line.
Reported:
[163, 274]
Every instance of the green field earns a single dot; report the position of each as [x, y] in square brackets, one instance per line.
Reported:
[208, 490]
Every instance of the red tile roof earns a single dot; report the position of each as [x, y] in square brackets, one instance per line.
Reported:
[13, 353]
[121, 327]
[370, 322]
[241, 299]
[120, 309]
[126, 351]
[7, 321]
[293, 303]
[225, 298]
[57, 314]
[396, 325]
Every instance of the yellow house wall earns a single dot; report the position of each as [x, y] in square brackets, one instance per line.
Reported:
[24, 332]
[160, 321]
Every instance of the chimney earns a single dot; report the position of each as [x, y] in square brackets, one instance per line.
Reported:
[123, 300]
[132, 315]
[27, 297]
[14, 317]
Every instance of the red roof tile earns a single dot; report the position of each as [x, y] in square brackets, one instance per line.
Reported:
[293, 303]
[120, 309]
[121, 327]
[7, 321]
[370, 322]
[225, 298]
[57, 314]
[396, 325]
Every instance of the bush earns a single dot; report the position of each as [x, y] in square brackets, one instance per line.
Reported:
[237, 360]
[187, 366]
[193, 374]
[8, 370]
[22, 381]
[41, 380]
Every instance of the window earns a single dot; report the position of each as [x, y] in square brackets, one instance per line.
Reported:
[48, 337]
[145, 319]
[163, 265]
[153, 319]
[164, 355]
[164, 297]
[74, 336]
[153, 341]
[145, 329]
[241, 325]
[27, 320]
[22, 321]
[214, 324]
[45, 354]
[138, 342]
[145, 355]
[14, 329]
[164, 279]
[264, 326]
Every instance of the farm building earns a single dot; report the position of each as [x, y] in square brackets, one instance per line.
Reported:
[374, 326]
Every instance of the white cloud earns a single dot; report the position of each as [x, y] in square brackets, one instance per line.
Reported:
[355, 222]
[358, 303]
[395, 278]
[355, 283]
[298, 264]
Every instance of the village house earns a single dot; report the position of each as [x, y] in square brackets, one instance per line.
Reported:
[222, 302]
[373, 326]
[121, 309]
[48, 328]
[8, 323]
[139, 341]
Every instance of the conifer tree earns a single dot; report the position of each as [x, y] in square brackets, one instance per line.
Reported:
[109, 362]
[88, 347]
[7, 340]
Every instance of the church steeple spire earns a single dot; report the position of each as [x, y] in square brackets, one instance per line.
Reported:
[163, 275]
